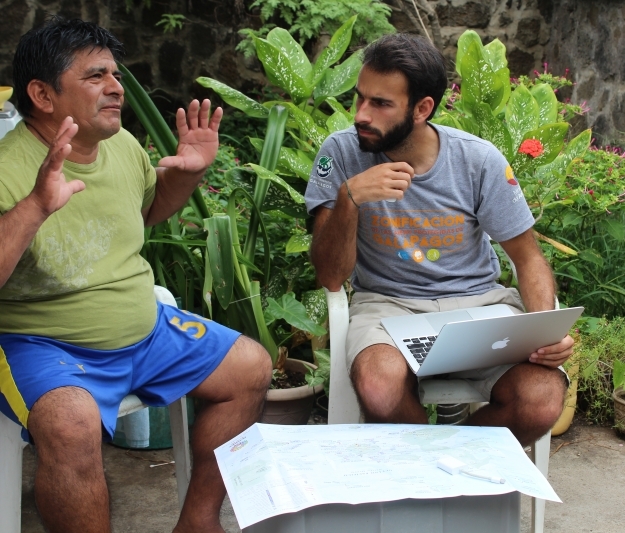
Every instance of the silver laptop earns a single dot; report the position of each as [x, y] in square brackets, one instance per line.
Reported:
[476, 337]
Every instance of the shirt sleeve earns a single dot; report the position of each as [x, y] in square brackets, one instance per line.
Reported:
[502, 211]
[149, 173]
[326, 178]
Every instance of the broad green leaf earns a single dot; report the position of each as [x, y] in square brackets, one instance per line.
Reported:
[547, 103]
[494, 130]
[521, 114]
[283, 40]
[551, 137]
[334, 51]
[495, 55]
[338, 121]
[234, 98]
[265, 174]
[469, 43]
[307, 125]
[591, 256]
[207, 289]
[297, 161]
[298, 243]
[503, 75]
[338, 107]
[615, 228]
[560, 165]
[280, 72]
[571, 219]
[316, 305]
[575, 273]
[618, 374]
[479, 83]
[257, 144]
[293, 312]
[221, 257]
[341, 78]
[447, 119]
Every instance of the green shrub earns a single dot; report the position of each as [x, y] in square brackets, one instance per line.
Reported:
[598, 353]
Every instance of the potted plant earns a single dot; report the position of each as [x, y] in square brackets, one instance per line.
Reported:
[618, 379]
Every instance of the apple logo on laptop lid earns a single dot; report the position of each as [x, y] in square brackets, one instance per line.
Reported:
[500, 344]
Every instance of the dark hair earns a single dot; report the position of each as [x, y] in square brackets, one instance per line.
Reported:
[46, 52]
[416, 58]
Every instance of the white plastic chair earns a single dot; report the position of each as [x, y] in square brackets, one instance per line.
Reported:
[343, 405]
[11, 448]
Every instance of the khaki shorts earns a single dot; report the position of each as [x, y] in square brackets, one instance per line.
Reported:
[366, 310]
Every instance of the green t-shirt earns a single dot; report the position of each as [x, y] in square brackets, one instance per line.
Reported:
[82, 280]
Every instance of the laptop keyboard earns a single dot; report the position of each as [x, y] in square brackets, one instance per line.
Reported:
[419, 347]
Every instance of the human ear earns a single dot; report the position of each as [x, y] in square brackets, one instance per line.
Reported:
[40, 95]
[423, 109]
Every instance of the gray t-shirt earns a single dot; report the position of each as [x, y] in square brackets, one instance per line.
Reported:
[434, 242]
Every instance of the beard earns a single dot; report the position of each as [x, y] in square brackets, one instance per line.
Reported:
[388, 141]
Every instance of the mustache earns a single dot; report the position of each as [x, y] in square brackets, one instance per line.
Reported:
[368, 129]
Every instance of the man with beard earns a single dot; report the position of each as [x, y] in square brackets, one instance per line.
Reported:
[406, 208]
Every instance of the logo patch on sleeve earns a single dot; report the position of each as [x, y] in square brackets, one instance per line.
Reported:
[324, 166]
[510, 177]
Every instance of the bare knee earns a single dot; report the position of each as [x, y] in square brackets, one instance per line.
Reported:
[535, 394]
[66, 426]
[381, 383]
[255, 364]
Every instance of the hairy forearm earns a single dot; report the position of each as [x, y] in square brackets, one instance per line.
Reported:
[536, 284]
[17, 230]
[173, 189]
[333, 251]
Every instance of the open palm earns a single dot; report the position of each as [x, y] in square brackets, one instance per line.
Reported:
[198, 139]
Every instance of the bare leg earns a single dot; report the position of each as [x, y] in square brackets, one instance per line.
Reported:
[70, 489]
[527, 399]
[385, 386]
[236, 391]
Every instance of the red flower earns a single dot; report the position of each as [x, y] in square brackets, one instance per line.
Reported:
[531, 147]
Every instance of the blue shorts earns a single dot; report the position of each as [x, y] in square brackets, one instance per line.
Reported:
[182, 350]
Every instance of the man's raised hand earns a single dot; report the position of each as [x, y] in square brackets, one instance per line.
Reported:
[198, 139]
[51, 191]
[387, 181]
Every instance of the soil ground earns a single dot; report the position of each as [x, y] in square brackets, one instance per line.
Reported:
[587, 471]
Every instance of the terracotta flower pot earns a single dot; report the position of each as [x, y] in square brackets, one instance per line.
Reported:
[619, 411]
[291, 406]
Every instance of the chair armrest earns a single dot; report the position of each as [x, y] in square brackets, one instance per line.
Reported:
[342, 405]
[164, 296]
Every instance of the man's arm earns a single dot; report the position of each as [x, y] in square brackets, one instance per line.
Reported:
[178, 176]
[333, 250]
[50, 193]
[537, 288]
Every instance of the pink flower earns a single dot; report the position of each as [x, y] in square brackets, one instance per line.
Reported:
[531, 147]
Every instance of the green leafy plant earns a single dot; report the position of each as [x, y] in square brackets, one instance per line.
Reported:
[523, 122]
[307, 19]
[171, 22]
[602, 368]
[227, 256]
[590, 217]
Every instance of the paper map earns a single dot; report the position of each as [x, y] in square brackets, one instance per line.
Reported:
[270, 470]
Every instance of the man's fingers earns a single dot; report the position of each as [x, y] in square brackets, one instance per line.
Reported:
[181, 122]
[192, 114]
[216, 119]
[402, 166]
[76, 186]
[204, 111]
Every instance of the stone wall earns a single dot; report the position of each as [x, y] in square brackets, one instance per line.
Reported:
[588, 37]
[581, 35]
